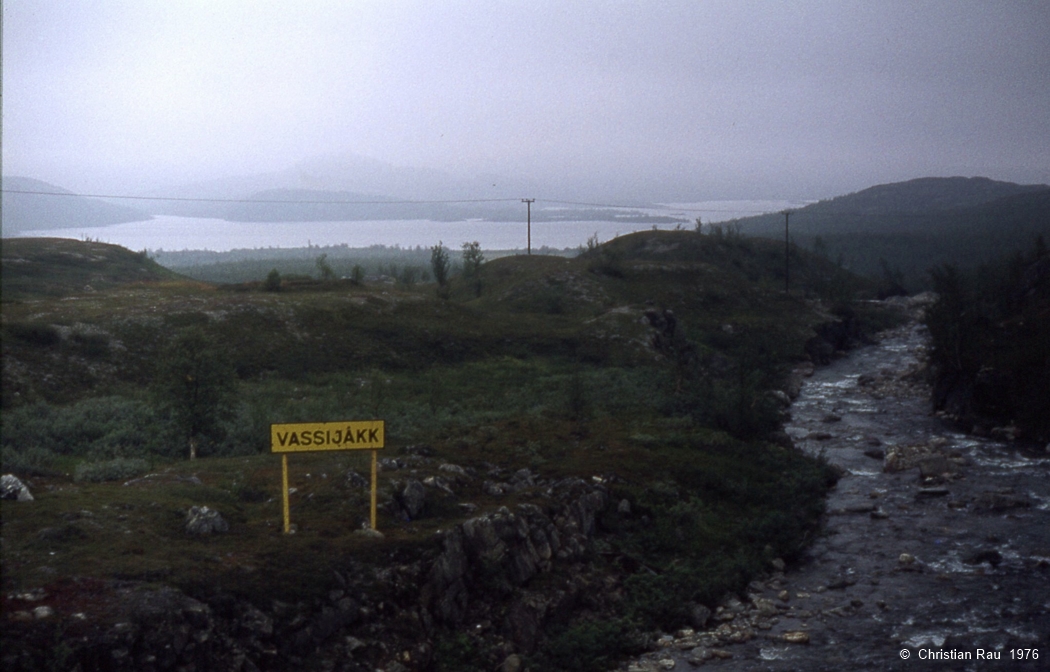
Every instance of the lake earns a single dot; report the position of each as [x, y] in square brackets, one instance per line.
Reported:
[165, 232]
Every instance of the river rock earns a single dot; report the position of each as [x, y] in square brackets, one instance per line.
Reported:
[13, 488]
[936, 467]
[204, 520]
[991, 556]
[699, 615]
[1001, 501]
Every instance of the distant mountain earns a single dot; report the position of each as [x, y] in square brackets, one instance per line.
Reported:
[304, 205]
[344, 173]
[900, 206]
[34, 212]
[915, 225]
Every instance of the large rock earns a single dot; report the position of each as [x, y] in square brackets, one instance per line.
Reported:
[413, 498]
[12, 488]
[203, 520]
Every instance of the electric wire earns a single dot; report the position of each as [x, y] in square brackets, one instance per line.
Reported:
[802, 211]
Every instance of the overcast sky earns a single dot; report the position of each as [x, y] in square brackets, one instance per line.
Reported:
[663, 100]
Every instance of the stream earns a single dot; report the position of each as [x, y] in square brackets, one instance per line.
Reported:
[936, 550]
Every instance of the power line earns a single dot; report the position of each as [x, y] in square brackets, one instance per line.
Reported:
[257, 200]
[803, 212]
[653, 207]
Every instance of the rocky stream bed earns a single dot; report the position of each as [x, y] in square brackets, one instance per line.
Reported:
[936, 551]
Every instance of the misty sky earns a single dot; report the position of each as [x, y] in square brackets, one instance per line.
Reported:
[660, 100]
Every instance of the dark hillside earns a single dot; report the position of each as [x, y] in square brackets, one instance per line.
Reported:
[58, 266]
[909, 227]
[33, 212]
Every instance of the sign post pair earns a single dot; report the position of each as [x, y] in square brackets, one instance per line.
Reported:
[305, 437]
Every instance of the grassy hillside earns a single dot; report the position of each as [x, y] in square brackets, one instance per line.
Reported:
[916, 225]
[54, 267]
[33, 212]
[645, 365]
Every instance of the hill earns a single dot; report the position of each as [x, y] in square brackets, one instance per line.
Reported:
[35, 212]
[915, 225]
[54, 267]
[599, 434]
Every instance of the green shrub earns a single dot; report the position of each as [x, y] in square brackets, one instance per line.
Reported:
[32, 462]
[591, 646]
[460, 653]
[111, 470]
[90, 344]
[34, 334]
[103, 427]
[272, 282]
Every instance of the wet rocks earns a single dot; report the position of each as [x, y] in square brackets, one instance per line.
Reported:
[1001, 500]
[933, 459]
[204, 520]
[11, 487]
[991, 556]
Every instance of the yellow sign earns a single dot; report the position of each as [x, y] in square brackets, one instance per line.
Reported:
[301, 437]
[309, 436]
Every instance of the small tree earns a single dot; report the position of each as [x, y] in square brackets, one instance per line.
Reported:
[698, 225]
[324, 268]
[272, 282]
[439, 264]
[357, 275]
[472, 260]
[195, 383]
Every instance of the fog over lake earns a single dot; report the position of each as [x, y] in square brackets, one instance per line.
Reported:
[165, 232]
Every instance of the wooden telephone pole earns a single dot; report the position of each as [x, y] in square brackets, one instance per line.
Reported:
[528, 203]
[787, 253]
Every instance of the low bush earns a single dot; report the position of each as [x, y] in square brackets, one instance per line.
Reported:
[103, 427]
[111, 470]
[591, 646]
[33, 462]
[35, 334]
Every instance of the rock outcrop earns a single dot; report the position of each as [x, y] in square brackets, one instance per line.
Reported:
[13, 488]
[480, 572]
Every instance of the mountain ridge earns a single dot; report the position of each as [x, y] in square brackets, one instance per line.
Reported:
[33, 212]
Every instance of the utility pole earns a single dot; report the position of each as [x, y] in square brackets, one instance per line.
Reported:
[528, 203]
[787, 253]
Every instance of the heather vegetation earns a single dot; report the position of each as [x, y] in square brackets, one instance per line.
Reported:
[647, 365]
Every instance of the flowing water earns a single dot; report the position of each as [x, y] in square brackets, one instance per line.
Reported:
[952, 572]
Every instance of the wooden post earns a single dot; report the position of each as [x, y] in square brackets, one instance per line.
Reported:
[528, 203]
[284, 492]
[374, 481]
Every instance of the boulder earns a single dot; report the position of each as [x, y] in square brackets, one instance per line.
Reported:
[356, 480]
[1001, 501]
[13, 488]
[699, 615]
[204, 520]
[413, 498]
